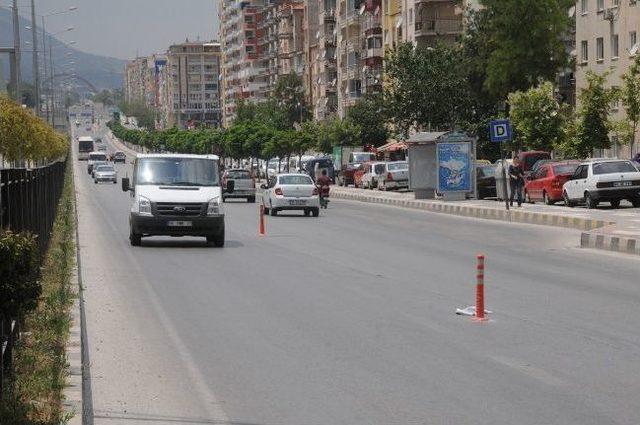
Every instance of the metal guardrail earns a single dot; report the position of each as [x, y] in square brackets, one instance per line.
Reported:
[9, 332]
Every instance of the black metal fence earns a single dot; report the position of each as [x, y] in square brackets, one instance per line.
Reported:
[28, 203]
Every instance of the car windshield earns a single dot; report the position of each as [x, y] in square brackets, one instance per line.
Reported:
[564, 169]
[530, 160]
[395, 166]
[239, 174]
[613, 167]
[362, 157]
[177, 172]
[295, 180]
[487, 171]
[105, 168]
[98, 157]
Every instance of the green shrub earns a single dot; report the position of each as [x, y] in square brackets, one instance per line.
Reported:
[19, 286]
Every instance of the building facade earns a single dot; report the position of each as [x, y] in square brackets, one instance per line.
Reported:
[192, 84]
[607, 41]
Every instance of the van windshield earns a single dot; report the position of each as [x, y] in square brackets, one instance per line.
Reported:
[177, 172]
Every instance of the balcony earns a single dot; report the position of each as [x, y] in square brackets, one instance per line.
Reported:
[376, 52]
[371, 22]
[328, 15]
[438, 26]
[352, 18]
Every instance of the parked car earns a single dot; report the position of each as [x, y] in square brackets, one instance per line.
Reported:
[603, 180]
[486, 180]
[356, 160]
[395, 176]
[545, 184]
[93, 157]
[291, 191]
[119, 156]
[105, 173]
[357, 175]
[371, 172]
[244, 185]
[529, 158]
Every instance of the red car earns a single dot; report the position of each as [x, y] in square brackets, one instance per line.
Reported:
[546, 183]
[357, 175]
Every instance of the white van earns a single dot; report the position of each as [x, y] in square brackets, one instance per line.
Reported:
[176, 195]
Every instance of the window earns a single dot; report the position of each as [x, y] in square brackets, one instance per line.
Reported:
[615, 3]
[610, 167]
[615, 104]
[599, 48]
[614, 46]
[584, 50]
[633, 42]
[584, 173]
[600, 6]
[410, 16]
[584, 8]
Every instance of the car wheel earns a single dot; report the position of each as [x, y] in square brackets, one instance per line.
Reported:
[251, 199]
[95, 181]
[135, 238]
[546, 200]
[217, 240]
[274, 212]
[615, 203]
[567, 201]
[307, 212]
[315, 212]
[115, 182]
[589, 201]
[635, 202]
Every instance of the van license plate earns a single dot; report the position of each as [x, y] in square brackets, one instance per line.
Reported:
[180, 223]
[620, 184]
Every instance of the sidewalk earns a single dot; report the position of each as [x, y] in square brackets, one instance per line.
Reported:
[603, 228]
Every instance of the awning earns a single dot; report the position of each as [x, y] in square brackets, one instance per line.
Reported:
[393, 147]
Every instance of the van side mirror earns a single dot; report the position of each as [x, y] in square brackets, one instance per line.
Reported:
[125, 184]
[231, 185]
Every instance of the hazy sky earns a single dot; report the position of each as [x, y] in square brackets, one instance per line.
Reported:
[120, 28]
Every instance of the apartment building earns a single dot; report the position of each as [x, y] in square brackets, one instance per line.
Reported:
[324, 88]
[192, 82]
[607, 41]
[136, 74]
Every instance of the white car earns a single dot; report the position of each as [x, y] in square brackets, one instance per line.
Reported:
[105, 173]
[372, 171]
[603, 180]
[95, 157]
[291, 192]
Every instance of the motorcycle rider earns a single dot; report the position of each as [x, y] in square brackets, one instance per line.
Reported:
[323, 183]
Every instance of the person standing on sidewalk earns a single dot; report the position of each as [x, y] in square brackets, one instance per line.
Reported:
[516, 181]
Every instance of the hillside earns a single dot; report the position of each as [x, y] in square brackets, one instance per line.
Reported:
[101, 71]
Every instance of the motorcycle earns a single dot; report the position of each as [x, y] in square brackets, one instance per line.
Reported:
[324, 196]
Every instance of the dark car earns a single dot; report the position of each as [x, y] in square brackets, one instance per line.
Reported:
[322, 164]
[486, 180]
[119, 157]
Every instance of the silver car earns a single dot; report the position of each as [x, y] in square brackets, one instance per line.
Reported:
[244, 185]
[291, 191]
[105, 173]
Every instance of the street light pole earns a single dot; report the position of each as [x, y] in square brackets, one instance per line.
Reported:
[16, 45]
[53, 101]
[44, 62]
[36, 68]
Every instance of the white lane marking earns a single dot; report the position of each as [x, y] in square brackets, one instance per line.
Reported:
[529, 370]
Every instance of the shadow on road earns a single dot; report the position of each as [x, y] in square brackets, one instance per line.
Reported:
[185, 243]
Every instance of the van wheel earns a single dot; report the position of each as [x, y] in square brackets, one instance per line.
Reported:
[615, 203]
[135, 238]
[635, 202]
[217, 240]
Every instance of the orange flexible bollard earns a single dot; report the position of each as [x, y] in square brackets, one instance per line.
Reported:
[261, 230]
[480, 288]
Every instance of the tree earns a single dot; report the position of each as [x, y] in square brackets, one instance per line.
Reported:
[630, 96]
[593, 115]
[289, 94]
[537, 118]
[145, 115]
[369, 114]
[427, 88]
[519, 50]
[306, 138]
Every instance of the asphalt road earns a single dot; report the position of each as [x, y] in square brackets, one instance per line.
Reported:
[349, 319]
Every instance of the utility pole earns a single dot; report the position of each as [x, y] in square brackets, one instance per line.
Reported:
[36, 68]
[44, 63]
[16, 46]
[53, 100]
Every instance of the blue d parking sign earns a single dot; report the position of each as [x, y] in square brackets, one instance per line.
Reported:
[500, 130]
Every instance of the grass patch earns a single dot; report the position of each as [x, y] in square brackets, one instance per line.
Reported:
[40, 364]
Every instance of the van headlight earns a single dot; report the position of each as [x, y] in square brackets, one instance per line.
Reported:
[144, 205]
[214, 207]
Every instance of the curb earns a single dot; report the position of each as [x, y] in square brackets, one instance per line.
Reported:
[610, 243]
[527, 217]
[72, 403]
